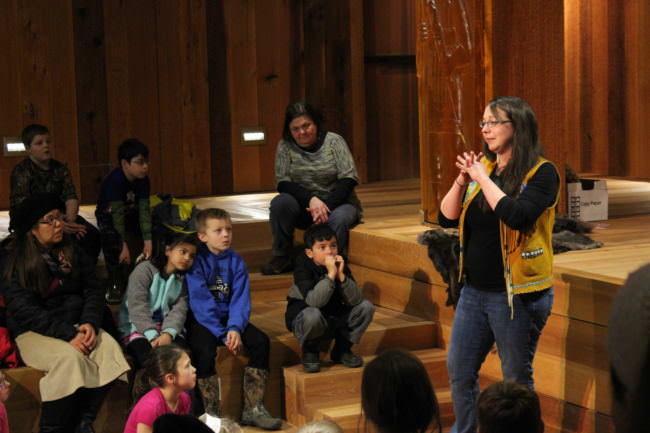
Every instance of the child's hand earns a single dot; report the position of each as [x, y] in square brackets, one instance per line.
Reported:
[125, 256]
[340, 266]
[147, 249]
[233, 342]
[330, 264]
[162, 340]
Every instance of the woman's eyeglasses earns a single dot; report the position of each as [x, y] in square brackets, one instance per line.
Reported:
[492, 123]
[51, 220]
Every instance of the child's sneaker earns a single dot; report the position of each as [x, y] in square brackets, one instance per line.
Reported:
[311, 362]
[341, 354]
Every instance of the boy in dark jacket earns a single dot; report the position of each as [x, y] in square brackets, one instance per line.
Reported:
[219, 295]
[324, 297]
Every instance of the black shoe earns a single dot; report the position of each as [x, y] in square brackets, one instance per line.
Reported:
[277, 265]
[341, 354]
[311, 362]
[348, 359]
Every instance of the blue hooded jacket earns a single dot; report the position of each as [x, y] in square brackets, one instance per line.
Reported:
[219, 291]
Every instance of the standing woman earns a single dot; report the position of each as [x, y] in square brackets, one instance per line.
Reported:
[315, 176]
[54, 313]
[504, 206]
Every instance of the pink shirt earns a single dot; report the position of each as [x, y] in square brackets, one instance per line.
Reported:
[4, 421]
[151, 406]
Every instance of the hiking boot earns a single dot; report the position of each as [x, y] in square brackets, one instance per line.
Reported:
[254, 412]
[278, 265]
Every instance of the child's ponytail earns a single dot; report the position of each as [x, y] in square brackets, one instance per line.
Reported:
[161, 361]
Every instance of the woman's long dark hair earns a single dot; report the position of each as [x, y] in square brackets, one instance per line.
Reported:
[526, 147]
[297, 109]
[25, 261]
[397, 395]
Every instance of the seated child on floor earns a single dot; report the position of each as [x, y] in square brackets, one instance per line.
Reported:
[325, 298]
[155, 306]
[219, 294]
[5, 388]
[123, 214]
[168, 373]
[508, 407]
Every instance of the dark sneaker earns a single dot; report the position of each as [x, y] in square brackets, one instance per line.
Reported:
[348, 359]
[311, 362]
[277, 265]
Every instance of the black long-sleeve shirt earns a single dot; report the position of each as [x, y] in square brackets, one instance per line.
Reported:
[482, 262]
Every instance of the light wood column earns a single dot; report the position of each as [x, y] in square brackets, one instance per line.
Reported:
[451, 87]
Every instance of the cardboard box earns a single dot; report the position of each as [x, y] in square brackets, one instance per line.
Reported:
[588, 200]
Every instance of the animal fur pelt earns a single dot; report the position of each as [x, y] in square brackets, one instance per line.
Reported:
[443, 249]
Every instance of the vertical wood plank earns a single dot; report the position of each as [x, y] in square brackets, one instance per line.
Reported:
[92, 115]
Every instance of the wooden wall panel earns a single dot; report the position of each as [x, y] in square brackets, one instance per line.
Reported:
[391, 90]
[38, 54]
[595, 92]
[334, 70]
[389, 27]
[183, 93]
[637, 87]
[260, 45]
[92, 116]
[392, 122]
[528, 61]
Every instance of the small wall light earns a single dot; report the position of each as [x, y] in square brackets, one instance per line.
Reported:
[253, 135]
[13, 146]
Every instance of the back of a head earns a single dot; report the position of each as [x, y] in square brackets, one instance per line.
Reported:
[397, 395]
[508, 407]
[321, 426]
[629, 353]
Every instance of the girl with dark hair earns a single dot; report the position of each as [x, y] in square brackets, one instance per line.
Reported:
[315, 176]
[168, 373]
[154, 309]
[54, 312]
[504, 206]
[397, 395]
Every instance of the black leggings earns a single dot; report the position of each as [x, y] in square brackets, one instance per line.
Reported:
[203, 345]
[140, 348]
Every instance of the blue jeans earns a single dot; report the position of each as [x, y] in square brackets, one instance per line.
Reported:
[483, 318]
[287, 214]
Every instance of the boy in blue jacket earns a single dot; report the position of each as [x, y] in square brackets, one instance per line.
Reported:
[219, 295]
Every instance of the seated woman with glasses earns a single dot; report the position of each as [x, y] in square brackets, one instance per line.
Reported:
[315, 176]
[504, 206]
[54, 313]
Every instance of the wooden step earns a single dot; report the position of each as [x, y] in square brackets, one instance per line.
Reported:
[23, 406]
[305, 393]
[349, 416]
[269, 288]
[388, 329]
